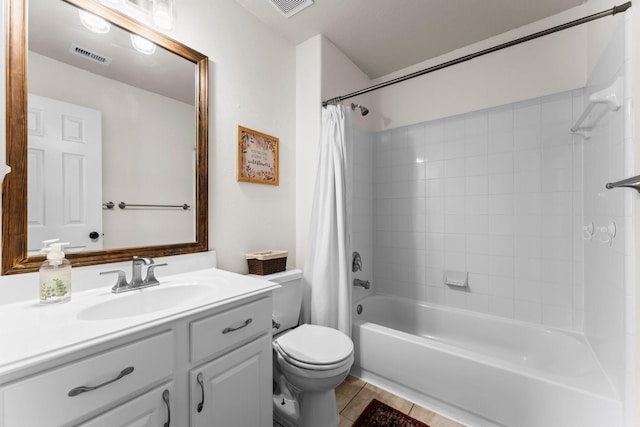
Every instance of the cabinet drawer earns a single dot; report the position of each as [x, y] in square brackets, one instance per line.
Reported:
[224, 330]
[44, 399]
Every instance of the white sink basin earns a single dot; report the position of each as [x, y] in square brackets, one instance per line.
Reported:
[147, 300]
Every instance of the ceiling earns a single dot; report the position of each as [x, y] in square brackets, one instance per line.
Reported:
[54, 26]
[383, 36]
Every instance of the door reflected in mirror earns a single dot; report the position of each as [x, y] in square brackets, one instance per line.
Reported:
[113, 152]
[144, 136]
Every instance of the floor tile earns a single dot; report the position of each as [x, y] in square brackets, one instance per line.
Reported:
[344, 422]
[346, 391]
[422, 414]
[369, 392]
[353, 395]
[440, 421]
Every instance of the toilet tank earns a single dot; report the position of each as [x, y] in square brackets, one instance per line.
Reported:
[287, 300]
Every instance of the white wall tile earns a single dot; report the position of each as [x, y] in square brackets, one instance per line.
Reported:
[454, 167]
[500, 119]
[476, 165]
[476, 145]
[528, 311]
[498, 195]
[454, 128]
[526, 138]
[477, 185]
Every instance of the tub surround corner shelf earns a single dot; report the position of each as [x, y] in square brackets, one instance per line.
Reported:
[142, 368]
[610, 97]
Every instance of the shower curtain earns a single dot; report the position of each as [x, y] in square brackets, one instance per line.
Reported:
[326, 273]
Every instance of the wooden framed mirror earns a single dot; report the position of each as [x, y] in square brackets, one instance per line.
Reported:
[157, 168]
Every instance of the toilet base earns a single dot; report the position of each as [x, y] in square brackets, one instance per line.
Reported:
[313, 410]
[319, 409]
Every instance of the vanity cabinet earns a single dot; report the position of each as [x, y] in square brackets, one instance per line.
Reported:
[65, 394]
[229, 391]
[150, 377]
[152, 409]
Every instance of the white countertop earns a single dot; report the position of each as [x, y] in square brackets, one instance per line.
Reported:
[31, 333]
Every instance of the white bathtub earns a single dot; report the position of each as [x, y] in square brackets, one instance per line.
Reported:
[480, 369]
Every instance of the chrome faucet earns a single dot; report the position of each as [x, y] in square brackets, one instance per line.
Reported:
[364, 283]
[136, 271]
[136, 276]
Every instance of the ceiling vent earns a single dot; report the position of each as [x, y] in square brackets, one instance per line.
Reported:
[88, 54]
[290, 7]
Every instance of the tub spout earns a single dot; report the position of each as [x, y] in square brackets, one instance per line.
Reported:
[364, 283]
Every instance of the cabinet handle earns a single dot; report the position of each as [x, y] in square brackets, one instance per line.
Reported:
[231, 329]
[201, 404]
[82, 389]
[165, 397]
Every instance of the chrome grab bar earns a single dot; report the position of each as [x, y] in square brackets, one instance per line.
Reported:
[633, 182]
[123, 205]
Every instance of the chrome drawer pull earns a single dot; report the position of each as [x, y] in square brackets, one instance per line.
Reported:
[201, 404]
[165, 397]
[246, 323]
[82, 389]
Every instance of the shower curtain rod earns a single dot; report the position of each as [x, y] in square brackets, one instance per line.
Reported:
[608, 12]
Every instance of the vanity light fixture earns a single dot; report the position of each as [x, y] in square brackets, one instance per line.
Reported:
[142, 45]
[93, 22]
[162, 13]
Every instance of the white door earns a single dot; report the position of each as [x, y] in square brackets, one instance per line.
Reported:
[64, 175]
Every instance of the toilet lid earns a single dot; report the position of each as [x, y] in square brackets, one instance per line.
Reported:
[316, 345]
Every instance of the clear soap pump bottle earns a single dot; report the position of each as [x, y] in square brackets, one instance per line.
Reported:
[55, 274]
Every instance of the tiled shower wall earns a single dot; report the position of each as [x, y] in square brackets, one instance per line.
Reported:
[496, 193]
[609, 289]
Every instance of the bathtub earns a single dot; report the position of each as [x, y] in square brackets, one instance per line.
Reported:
[481, 370]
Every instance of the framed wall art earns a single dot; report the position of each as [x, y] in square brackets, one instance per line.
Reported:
[257, 157]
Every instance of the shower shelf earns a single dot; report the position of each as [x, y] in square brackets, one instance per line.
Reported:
[611, 97]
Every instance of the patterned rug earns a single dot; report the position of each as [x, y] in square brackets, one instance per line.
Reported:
[377, 414]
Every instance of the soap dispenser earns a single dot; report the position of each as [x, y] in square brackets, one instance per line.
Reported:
[55, 274]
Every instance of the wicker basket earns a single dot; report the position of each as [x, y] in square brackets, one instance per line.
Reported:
[267, 262]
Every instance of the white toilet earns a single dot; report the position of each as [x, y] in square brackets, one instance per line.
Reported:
[309, 361]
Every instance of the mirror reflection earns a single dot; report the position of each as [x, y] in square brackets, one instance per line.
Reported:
[111, 119]
[107, 134]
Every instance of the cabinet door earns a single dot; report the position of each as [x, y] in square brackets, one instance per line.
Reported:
[152, 409]
[234, 390]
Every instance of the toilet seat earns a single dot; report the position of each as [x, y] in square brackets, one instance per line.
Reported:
[314, 347]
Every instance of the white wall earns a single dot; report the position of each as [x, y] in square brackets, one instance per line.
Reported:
[146, 158]
[322, 71]
[252, 84]
[308, 99]
[544, 66]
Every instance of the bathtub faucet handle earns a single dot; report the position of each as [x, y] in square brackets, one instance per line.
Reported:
[364, 283]
[356, 263]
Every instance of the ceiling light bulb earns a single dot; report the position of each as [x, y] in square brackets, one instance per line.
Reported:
[93, 22]
[163, 14]
[142, 45]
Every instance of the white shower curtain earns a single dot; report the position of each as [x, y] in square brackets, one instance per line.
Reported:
[326, 272]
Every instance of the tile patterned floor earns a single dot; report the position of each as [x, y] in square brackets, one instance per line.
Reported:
[353, 395]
